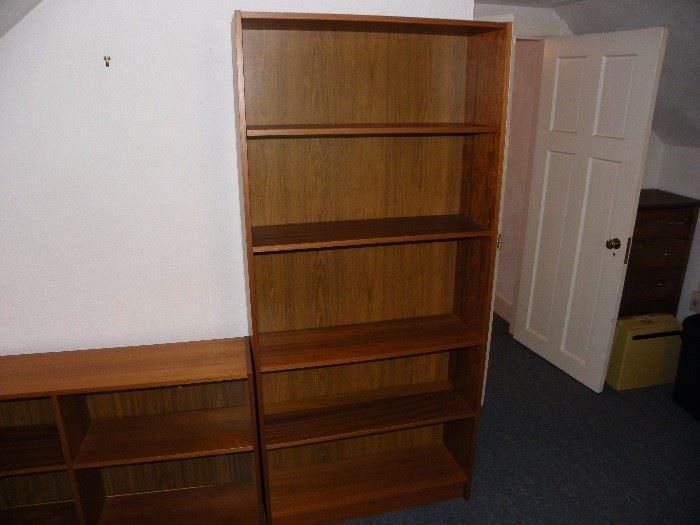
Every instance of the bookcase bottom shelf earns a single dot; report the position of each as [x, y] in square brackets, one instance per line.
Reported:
[59, 513]
[232, 503]
[349, 488]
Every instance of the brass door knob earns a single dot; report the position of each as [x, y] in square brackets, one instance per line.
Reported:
[613, 244]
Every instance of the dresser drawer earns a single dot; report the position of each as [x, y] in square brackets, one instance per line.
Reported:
[650, 290]
[658, 253]
[669, 223]
[663, 233]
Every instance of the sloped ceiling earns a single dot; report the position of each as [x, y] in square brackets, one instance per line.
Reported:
[12, 11]
[529, 3]
[677, 115]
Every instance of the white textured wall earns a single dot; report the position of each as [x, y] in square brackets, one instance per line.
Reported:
[119, 214]
[680, 173]
[527, 21]
[652, 170]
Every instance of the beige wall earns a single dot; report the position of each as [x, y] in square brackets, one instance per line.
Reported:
[523, 117]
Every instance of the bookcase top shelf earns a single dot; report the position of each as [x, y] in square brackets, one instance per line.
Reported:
[57, 373]
[325, 130]
[346, 22]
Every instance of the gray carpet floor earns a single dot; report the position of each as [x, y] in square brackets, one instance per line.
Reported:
[552, 451]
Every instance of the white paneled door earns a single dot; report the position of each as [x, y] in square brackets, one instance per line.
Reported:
[596, 106]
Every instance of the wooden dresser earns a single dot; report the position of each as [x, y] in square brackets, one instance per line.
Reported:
[663, 235]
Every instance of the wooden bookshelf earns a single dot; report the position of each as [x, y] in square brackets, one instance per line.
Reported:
[288, 237]
[360, 413]
[128, 429]
[334, 345]
[166, 436]
[60, 513]
[326, 492]
[371, 153]
[44, 497]
[56, 373]
[367, 130]
[235, 503]
[31, 449]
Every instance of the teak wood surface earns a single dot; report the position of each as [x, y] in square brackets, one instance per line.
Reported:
[371, 150]
[350, 130]
[122, 430]
[56, 373]
[338, 234]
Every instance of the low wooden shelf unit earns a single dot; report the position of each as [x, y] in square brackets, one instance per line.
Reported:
[148, 434]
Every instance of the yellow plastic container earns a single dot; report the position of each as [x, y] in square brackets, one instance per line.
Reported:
[645, 351]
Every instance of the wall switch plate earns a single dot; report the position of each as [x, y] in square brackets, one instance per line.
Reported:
[695, 301]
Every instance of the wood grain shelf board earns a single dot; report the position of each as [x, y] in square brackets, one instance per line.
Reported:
[296, 349]
[249, 17]
[234, 503]
[363, 413]
[32, 375]
[162, 437]
[30, 450]
[334, 234]
[370, 484]
[59, 513]
[348, 130]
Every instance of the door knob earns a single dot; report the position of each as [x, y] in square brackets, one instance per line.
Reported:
[613, 244]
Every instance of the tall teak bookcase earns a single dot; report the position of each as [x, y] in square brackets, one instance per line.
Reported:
[371, 150]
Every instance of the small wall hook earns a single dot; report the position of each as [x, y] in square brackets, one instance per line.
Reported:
[107, 59]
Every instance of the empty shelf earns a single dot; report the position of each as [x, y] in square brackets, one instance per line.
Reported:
[309, 236]
[235, 503]
[59, 513]
[343, 489]
[362, 413]
[166, 436]
[30, 450]
[316, 130]
[336, 345]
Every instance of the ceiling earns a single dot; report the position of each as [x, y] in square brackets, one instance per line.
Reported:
[529, 3]
[12, 11]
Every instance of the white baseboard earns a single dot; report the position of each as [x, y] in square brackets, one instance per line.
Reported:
[503, 307]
